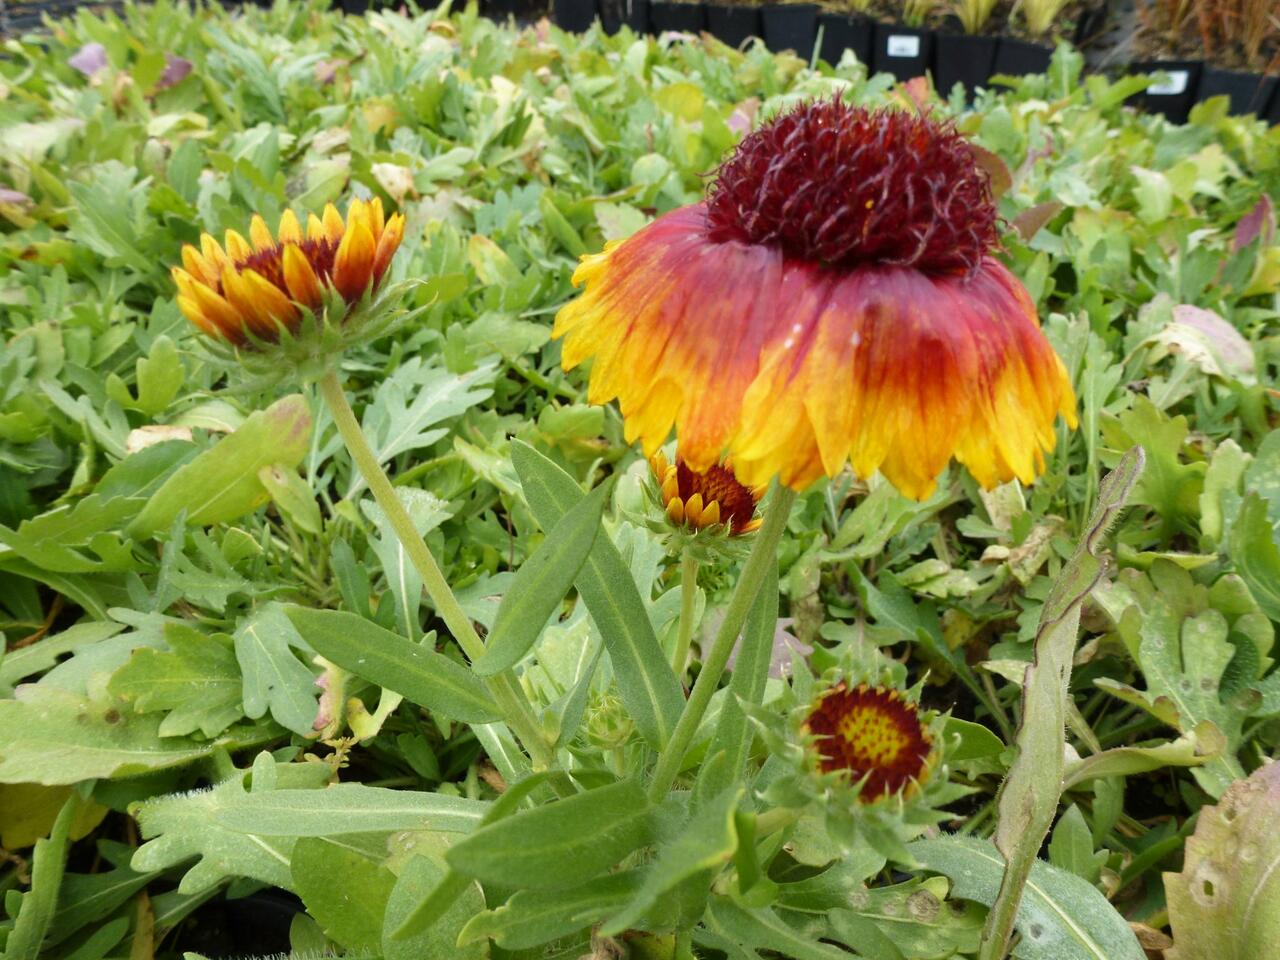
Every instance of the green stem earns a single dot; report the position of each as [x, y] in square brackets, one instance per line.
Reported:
[764, 552]
[509, 695]
[688, 601]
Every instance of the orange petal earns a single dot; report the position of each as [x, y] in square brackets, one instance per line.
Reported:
[270, 298]
[220, 313]
[388, 243]
[377, 219]
[304, 286]
[252, 313]
[212, 252]
[334, 228]
[675, 511]
[198, 266]
[260, 234]
[353, 264]
[191, 310]
[290, 230]
[238, 248]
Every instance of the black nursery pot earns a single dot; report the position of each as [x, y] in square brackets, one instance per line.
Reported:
[1092, 22]
[1248, 92]
[790, 26]
[681, 17]
[1174, 96]
[500, 9]
[962, 58]
[1018, 58]
[616, 14]
[904, 52]
[843, 31]
[354, 7]
[574, 15]
[733, 25]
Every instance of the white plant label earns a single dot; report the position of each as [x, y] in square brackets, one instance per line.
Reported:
[898, 45]
[1176, 84]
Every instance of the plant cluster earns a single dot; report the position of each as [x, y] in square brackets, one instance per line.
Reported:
[1242, 34]
[332, 575]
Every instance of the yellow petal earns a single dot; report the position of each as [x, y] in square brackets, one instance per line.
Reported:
[260, 234]
[358, 212]
[241, 296]
[334, 228]
[290, 230]
[183, 280]
[658, 464]
[238, 248]
[693, 510]
[198, 266]
[675, 511]
[670, 488]
[191, 310]
[315, 228]
[269, 297]
[377, 219]
[388, 243]
[711, 514]
[353, 263]
[220, 313]
[304, 286]
[212, 252]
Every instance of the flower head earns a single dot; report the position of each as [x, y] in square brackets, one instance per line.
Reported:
[874, 735]
[255, 291]
[834, 300]
[700, 500]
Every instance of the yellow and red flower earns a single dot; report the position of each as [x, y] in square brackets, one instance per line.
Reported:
[834, 300]
[256, 289]
[699, 500]
[874, 736]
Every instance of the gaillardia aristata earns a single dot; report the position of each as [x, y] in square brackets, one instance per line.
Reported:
[701, 500]
[254, 291]
[874, 736]
[834, 300]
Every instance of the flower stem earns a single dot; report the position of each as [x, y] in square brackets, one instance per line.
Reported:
[763, 553]
[509, 695]
[688, 600]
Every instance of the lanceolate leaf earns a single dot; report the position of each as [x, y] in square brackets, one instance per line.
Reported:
[1029, 796]
[427, 678]
[645, 682]
[1061, 916]
[560, 844]
[540, 585]
[222, 483]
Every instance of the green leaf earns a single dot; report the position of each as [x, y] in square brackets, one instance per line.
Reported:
[560, 844]
[1071, 847]
[184, 826]
[1170, 487]
[344, 888]
[1256, 555]
[221, 484]
[540, 585]
[34, 916]
[273, 678]
[418, 877]
[413, 670]
[1060, 917]
[532, 918]
[1203, 743]
[758, 929]
[197, 682]
[706, 843]
[646, 683]
[347, 808]
[293, 497]
[1029, 795]
[974, 741]
[57, 737]
[1225, 903]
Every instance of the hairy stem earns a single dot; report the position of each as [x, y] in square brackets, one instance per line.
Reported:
[764, 552]
[688, 600]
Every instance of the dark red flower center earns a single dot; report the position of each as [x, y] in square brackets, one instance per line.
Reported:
[737, 504]
[843, 186]
[269, 263]
[870, 732]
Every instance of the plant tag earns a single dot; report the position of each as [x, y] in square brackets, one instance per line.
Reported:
[1176, 84]
[901, 45]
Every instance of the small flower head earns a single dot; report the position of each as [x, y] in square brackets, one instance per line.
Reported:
[308, 292]
[873, 735]
[703, 500]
